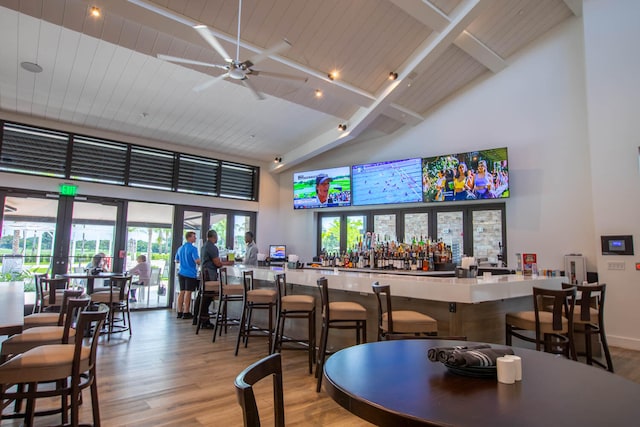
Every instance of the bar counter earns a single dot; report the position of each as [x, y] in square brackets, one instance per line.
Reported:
[474, 308]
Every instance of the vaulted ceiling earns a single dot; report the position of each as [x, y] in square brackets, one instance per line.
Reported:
[103, 73]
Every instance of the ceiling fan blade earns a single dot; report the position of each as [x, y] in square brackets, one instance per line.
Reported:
[250, 86]
[189, 61]
[279, 76]
[210, 82]
[273, 50]
[204, 32]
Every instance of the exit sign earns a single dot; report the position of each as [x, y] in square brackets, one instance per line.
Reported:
[68, 189]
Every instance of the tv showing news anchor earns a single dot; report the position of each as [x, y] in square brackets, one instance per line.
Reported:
[322, 188]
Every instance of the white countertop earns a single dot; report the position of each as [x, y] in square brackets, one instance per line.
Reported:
[447, 289]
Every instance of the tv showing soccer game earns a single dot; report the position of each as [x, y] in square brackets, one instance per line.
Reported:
[475, 175]
[397, 181]
[322, 188]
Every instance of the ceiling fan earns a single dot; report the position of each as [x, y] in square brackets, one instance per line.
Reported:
[234, 68]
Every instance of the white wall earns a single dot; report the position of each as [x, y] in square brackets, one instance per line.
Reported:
[611, 33]
[536, 108]
[567, 109]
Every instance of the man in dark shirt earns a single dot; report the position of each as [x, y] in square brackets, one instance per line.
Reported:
[210, 264]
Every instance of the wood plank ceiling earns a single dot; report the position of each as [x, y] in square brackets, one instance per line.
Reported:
[103, 73]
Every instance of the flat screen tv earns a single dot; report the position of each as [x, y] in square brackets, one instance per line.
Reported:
[278, 253]
[397, 181]
[322, 188]
[475, 175]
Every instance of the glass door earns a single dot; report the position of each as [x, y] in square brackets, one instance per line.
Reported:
[241, 224]
[93, 232]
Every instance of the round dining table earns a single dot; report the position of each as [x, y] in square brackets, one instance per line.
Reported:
[393, 383]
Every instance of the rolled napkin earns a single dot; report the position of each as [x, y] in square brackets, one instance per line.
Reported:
[482, 357]
[441, 354]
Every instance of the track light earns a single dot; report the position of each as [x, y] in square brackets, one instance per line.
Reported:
[333, 75]
[277, 160]
[393, 76]
[342, 127]
[318, 93]
[95, 11]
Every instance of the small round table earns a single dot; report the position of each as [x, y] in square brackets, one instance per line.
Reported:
[392, 383]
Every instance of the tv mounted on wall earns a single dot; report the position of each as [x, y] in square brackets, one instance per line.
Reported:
[322, 188]
[397, 181]
[476, 175]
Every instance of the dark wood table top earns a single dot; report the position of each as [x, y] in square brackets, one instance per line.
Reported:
[392, 383]
[90, 278]
[11, 308]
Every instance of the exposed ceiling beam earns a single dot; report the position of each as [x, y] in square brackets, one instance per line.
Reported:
[424, 12]
[425, 55]
[480, 52]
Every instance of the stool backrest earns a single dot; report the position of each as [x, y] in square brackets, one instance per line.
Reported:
[323, 286]
[281, 285]
[222, 275]
[591, 296]
[89, 324]
[72, 309]
[119, 287]
[48, 287]
[270, 365]
[68, 293]
[378, 290]
[562, 305]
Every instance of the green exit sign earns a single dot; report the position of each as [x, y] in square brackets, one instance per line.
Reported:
[68, 189]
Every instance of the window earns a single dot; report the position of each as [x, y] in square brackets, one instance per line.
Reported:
[330, 234]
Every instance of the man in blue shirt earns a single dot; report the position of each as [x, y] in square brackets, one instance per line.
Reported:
[188, 260]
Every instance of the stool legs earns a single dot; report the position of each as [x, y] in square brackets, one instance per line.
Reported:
[311, 333]
[361, 331]
[245, 324]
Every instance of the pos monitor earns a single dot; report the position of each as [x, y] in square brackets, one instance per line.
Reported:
[277, 253]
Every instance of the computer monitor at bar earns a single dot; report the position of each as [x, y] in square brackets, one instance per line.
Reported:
[277, 254]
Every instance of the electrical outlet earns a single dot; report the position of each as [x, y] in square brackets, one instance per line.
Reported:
[615, 265]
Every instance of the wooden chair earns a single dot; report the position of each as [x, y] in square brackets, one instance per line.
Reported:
[588, 319]
[46, 318]
[227, 293]
[71, 367]
[50, 292]
[117, 299]
[42, 335]
[553, 329]
[407, 322]
[337, 315]
[37, 306]
[255, 299]
[207, 292]
[270, 365]
[295, 307]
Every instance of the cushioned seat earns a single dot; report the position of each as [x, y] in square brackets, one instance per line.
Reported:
[553, 329]
[337, 315]
[295, 307]
[255, 299]
[50, 318]
[71, 367]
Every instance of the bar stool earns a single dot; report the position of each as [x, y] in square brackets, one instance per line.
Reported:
[295, 307]
[338, 315]
[227, 293]
[400, 322]
[46, 318]
[255, 299]
[553, 329]
[117, 299]
[208, 292]
[589, 315]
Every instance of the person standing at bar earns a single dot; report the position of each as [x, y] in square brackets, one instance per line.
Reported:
[210, 264]
[251, 255]
[188, 261]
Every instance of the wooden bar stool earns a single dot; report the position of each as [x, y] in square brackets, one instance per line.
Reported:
[207, 292]
[255, 299]
[589, 316]
[400, 322]
[338, 315]
[295, 307]
[117, 299]
[227, 293]
[553, 329]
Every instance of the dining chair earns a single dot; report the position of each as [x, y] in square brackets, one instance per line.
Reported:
[337, 315]
[270, 365]
[294, 307]
[117, 299]
[227, 293]
[47, 318]
[71, 367]
[51, 291]
[37, 306]
[588, 320]
[551, 320]
[41, 335]
[400, 322]
[255, 299]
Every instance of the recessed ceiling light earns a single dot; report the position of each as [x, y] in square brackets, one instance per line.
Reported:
[318, 93]
[333, 75]
[31, 67]
[95, 11]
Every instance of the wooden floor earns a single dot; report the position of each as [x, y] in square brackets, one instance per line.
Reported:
[165, 375]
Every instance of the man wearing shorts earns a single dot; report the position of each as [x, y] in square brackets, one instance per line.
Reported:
[188, 260]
